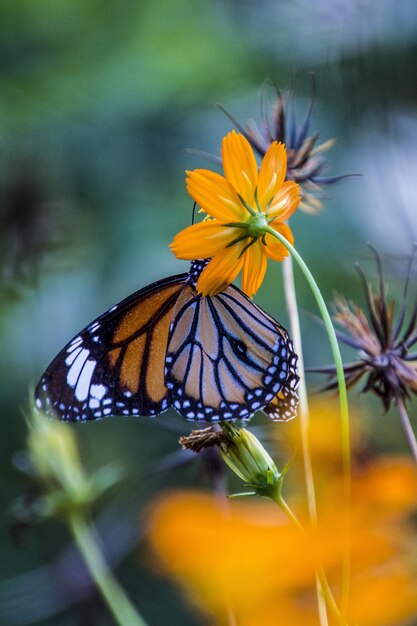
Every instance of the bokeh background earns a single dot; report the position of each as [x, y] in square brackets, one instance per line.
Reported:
[99, 102]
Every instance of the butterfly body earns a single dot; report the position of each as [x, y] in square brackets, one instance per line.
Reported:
[211, 358]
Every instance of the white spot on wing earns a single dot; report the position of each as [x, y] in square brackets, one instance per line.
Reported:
[75, 343]
[98, 391]
[76, 367]
[83, 386]
[73, 355]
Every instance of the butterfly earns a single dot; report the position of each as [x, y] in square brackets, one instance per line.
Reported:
[212, 358]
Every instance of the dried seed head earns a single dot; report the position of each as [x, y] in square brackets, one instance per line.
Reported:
[383, 339]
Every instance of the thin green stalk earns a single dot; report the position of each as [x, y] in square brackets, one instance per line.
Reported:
[344, 413]
[117, 601]
[288, 512]
[304, 414]
[325, 587]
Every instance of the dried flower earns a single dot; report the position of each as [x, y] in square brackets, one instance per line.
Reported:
[305, 161]
[383, 340]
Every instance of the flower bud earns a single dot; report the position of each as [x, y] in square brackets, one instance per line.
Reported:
[55, 460]
[54, 453]
[246, 456]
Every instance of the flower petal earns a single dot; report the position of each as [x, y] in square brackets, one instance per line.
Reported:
[221, 271]
[239, 165]
[274, 248]
[272, 172]
[254, 268]
[203, 240]
[285, 202]
[215, 195]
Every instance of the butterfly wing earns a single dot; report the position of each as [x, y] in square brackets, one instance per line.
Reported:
[226, 358]
[285, 404]
[115, 365]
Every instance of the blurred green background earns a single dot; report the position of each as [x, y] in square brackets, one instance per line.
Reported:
[99, 101]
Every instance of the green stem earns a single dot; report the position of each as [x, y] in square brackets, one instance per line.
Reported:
[304, 414]
[288, 512]
[325, 587]
[344, 413]
[120, 606]
[329, 598]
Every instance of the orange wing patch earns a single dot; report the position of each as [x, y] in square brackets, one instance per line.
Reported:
[139, 316]
[113, 356]
[132, 364]
[140, 343]
[155, 379]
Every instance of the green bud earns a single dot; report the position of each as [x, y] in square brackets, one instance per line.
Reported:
[54, 453]
[247, 458]
[56, 461]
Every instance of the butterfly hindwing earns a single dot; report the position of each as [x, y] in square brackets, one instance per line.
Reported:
[116, 364]
[226, 358]
[285, 404]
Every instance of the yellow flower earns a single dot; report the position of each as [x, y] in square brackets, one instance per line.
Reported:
[240, 205]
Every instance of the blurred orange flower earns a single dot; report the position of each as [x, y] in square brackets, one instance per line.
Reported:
[245, 559]
[325, 443]
[237, 557]
[240, 205]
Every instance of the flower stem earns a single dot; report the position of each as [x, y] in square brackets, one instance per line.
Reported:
[324, 585]
[304, 414]
[292, 307]
[344, 413]
[288, 512]
[408, 429]
[119, 604]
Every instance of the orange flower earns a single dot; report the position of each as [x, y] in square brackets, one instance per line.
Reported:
[245, 559]
[238, 557]
[240, 205]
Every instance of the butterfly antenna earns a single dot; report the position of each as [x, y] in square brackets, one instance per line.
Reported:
[193, 213]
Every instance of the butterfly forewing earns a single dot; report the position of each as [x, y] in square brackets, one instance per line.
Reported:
[226, 358]
[116, 365]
